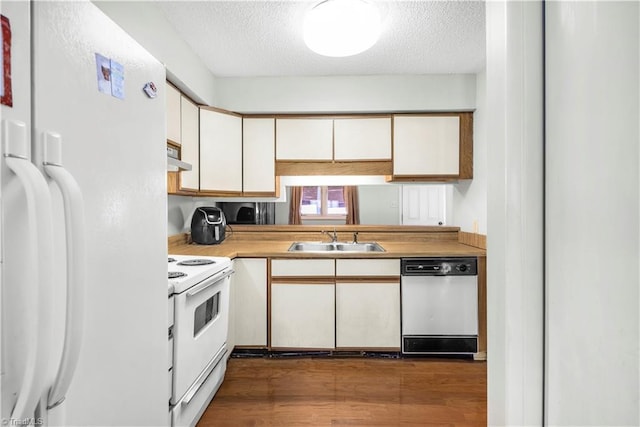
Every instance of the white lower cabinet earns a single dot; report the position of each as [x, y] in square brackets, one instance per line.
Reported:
[368, 315]
[250, 302]
[368, 303]
[349, 304]
[303, 315]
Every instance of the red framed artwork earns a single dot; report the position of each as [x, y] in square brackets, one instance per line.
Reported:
[5, 74]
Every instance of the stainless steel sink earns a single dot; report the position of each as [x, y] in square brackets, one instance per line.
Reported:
[335, 247]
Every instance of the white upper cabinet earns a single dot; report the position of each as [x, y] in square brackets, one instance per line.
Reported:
[220, 152]
[173, 114]
[304, 139]
[258, 141]
[426, 145]
[362, 138]
[190, 137]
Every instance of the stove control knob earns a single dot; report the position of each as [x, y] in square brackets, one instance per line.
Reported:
[462, 268]
[446, 268]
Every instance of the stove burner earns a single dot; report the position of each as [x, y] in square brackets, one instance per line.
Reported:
[197, 261]
[172, 260]
[176, 274]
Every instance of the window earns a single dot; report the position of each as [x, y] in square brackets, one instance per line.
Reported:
[323, 201]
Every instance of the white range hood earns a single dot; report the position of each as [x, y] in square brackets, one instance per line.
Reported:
[175, 165]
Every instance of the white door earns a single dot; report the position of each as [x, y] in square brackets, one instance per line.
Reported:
[424, 204]
[592, 370]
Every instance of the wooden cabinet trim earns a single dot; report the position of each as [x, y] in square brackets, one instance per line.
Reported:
[301, 280]
[220, 110]
[466, 146]
[218, 193]
[482, 308]
[359, 167]
[422, 178]
[391, 280]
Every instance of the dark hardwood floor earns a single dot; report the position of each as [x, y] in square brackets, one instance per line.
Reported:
[334, 391]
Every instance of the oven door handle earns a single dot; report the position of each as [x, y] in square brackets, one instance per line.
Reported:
[209, 282]
[195, 388]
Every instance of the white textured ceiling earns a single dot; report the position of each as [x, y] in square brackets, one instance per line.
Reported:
[264, 38]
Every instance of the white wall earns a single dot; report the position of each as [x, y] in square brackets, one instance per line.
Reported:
[593, 216]
[380, 204]
[515, 212]
[347, 93]
[470, 196]
[180, 210]
[147, 24]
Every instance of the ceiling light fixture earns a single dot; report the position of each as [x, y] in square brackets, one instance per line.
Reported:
[342, 27]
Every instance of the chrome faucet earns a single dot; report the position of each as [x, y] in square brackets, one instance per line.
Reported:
[334, 237]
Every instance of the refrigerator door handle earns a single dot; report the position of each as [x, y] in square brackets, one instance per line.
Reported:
[76, 266]
[39, 213]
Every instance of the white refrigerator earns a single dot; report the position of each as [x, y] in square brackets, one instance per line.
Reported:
[83, 302]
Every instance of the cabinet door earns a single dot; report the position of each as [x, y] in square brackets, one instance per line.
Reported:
[303, 315]
[220, 152]
[250, 314]
[173, 113]
[258, 156]
[304, 139]
[190, 137]
[368, 315]
[426, 145]
[362, 139]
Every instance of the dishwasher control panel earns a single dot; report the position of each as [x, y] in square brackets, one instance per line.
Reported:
[437, 266]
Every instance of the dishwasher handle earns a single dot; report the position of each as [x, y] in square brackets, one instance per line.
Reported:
[423, 270]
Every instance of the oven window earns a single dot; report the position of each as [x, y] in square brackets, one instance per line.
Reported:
[205, 313]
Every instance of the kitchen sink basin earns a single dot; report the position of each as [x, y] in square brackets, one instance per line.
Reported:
[335, 247]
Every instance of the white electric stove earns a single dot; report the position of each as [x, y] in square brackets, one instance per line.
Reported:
[199, 294]
[184, 271]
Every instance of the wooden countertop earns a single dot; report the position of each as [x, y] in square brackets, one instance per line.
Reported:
[278, 249]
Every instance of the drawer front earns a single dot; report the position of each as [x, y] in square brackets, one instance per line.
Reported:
[302, 267]
[188, 413]
[368, 267]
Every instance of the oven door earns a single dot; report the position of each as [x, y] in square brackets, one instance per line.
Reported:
[200, 329]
